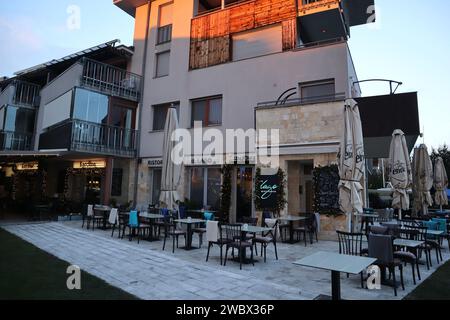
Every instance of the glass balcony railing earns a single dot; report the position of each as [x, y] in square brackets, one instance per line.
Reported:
[15, 141]
[111, 80]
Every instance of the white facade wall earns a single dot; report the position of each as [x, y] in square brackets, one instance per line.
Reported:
[243, 84]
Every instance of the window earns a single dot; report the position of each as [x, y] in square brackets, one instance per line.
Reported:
[162, 64]
[90, 106]
[258, 42]
[165, 23]
[156, 185]
[317, 90]
[208, 111]
[19, 120]
[121, 117]
[116, 185]
[205, 187]
[160, 115]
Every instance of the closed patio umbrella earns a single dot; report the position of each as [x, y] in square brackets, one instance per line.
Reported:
[171, 172]
[440, 183]
[400, 171]
[422, 179]
[351, 163]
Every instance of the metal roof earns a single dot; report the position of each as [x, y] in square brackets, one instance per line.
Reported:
[69, 57]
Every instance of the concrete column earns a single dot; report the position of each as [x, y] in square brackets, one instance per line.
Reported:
[108, 181]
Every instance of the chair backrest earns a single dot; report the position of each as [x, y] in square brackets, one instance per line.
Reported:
[378, 230]
[441, 224]
[208, 216]
[133, 220]
[233, 231]
[272, 223]
[381, 248]
[393, 229]
[114, 216]
[164, 212]
[250, 221]
[350, 243]
[212, 231]
[409, 232]
[90, 210]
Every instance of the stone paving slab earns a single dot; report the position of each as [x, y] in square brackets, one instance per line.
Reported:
[147, 272]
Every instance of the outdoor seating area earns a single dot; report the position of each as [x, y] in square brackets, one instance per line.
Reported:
[146, 264]
[407, 251]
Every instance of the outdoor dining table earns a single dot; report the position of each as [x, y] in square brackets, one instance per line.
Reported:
[151, 217]
[189, 223]
[104, 211]
[336, 263]
[291, 220]
[434, 232]
[253, 230]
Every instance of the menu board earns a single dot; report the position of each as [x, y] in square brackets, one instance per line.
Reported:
[326, 185]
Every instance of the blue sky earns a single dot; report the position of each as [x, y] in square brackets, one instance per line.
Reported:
[409, 43]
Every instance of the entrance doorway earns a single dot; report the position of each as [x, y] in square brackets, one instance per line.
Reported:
[244, 192]
[93, 189]
[300, 188]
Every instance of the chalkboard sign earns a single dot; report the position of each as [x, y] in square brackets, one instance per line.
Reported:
[326, 187]
[268, 187]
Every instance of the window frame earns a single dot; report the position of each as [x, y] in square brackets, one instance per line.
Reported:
[205, 173]
[317, 83]
[176, 104]
[157, 55]
[207, 111]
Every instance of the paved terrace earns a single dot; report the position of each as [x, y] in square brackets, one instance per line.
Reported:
[147, 272]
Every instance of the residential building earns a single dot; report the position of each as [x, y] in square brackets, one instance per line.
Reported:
[68, 128]
[217, 61]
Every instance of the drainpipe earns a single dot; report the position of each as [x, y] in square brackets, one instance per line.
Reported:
[144, 69]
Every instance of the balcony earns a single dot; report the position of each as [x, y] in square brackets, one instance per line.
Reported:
[20, 93]
[320, 20]
[111, 80]
[92, 138]
[15, 141]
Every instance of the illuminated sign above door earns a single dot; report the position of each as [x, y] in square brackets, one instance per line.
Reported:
[27, 166]
[90, 164]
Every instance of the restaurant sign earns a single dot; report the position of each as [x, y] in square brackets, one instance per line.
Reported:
[155, 163]
[90, 164]
[269, 187]
[27, 166]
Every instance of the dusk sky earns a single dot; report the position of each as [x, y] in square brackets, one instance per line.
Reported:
[409, 43]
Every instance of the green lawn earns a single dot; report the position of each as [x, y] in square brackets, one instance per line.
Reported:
[436, 287]
[28, 273]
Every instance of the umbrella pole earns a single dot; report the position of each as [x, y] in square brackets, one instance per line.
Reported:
[400, 214]
[440, 208]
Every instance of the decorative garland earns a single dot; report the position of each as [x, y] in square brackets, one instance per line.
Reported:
[326, 190]
[79, 172]
[225, 200]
